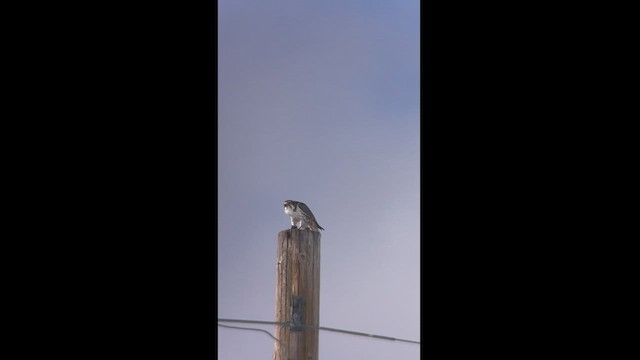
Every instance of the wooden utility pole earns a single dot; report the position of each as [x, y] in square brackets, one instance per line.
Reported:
[297, 294]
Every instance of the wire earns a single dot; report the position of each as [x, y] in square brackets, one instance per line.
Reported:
[256, 329]
[254, 322]
[286, 349]
[288, 324]
[364, 334]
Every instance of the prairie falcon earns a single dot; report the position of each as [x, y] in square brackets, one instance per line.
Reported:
[301, 215]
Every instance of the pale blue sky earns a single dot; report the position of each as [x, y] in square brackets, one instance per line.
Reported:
[318, 101]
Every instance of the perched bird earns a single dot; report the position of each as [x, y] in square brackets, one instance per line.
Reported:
[301, 215]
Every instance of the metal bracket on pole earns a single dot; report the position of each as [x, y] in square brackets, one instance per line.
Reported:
[298, 310]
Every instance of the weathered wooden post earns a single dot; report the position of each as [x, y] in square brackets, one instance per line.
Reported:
[297, 294]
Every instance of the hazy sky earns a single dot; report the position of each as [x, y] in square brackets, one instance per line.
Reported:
[318, 101]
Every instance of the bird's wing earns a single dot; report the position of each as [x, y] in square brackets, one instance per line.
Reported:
[305, 209]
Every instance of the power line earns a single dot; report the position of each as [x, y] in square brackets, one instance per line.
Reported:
[256, 329]
[254, 322]
[245, 328]
[364, 334]
[289, 324]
